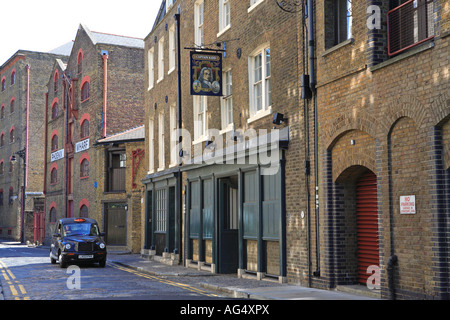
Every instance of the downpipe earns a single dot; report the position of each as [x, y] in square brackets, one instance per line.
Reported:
[392, 261]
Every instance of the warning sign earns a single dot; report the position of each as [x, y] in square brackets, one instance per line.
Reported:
[407, 204]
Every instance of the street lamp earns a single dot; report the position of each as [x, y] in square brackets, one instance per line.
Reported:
[22, 153]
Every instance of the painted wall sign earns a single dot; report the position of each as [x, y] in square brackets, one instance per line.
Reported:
[82, 145]
[206, 74]
[407, 204]
[57, 155]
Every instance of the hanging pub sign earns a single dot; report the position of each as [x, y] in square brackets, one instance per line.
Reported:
[206, 74]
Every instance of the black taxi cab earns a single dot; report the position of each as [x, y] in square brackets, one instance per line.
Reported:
[77, 240]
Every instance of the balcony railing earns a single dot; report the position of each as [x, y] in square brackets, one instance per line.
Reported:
[409, 25]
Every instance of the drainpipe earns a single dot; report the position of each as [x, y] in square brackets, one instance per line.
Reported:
[392, 261]
[312, 85]
[105, 89]
[179, 190]
[44, 191]
[27, 123]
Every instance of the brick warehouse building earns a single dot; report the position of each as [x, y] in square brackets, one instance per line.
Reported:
[213, 219]
[23, 80]
[364, 123]
[98, 95]
[382, 101]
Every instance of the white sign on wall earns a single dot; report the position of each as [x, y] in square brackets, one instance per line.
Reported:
[57, 155]
[82, 145]
[407, 204]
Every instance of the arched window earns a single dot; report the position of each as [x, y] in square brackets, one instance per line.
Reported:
[11, 106]
[84, 168]
[55, 110]
[2, 139]
[11, 135]
[2, 167]
[3, 84]
[84, 211]
[52, 215]
[85, 91]
[84, 129]
[13, 77]
[11, 194]
[55, 142]
[2, 112]
[54, 175]
[55, 81]
[80, 61]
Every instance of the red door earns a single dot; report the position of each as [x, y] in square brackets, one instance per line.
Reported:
[39, 227]
[367, 224]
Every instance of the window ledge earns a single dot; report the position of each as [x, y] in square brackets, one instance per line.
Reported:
[200, 140]
[228, 27]
[228, 128]
[253, 6]
[338, 46]
[420, 48]
[260, 114]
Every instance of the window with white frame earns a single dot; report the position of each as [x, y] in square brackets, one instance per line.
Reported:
[161, 158]
[169, 4]
[200, 121]
[198, 23]
[260, 81]
[173, 135]
[172, 48]
[227, 100]
[151, 146]
[151, 68]
[161, 59]
[224, 15]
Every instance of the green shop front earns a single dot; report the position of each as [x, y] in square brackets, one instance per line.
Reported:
[235, 215]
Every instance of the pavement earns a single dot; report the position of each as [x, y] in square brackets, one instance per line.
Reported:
[231, 286]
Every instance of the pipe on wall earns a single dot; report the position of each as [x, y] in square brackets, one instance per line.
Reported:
[105, 91]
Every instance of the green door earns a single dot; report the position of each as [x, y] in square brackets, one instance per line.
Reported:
[116, 224]
[228, 227]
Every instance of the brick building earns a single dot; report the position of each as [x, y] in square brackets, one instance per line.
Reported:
[362, 195]
[97, 95]
[382, 100]
[219, 206]
[23, 80]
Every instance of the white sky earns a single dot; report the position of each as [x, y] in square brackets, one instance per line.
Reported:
[43, 25]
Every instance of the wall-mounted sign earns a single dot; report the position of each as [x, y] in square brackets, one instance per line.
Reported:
[57, 155]
[407, 204]
[82, 145]
[206, 74]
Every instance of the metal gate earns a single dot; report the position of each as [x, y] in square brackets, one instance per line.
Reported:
[39, 227]
[367, 224]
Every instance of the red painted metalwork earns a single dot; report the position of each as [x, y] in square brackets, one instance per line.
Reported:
[367, 225]
[409, 25]
[39, 227]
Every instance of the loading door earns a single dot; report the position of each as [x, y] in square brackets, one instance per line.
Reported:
[116, 224]
[367, 225]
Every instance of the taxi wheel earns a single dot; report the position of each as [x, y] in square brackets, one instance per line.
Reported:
[53, 261]
[102, 263]
[62, 264]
